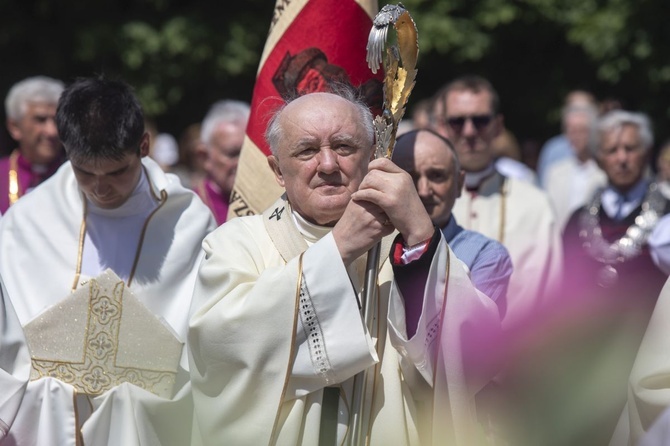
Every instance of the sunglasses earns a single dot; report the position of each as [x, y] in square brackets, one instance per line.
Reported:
[480, 122]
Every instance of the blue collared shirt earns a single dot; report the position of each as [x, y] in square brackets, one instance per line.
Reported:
[612, 199]
[488, 260]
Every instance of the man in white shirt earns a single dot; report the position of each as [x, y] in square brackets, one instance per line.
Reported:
[570, 182]
[277, 331]
[99, 263]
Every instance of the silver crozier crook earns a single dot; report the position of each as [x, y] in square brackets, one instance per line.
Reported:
[400, 71]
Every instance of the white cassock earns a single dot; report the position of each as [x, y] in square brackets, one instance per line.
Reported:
[14, 363]
[275, 320]
[521, 218]
[153, 240]
[571, 184]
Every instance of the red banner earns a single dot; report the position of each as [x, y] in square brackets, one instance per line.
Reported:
[311, 43]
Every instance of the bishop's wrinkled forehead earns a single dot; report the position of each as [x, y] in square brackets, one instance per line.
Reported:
[321, 109]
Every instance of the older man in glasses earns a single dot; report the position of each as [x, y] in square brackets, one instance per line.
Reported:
[517, 214]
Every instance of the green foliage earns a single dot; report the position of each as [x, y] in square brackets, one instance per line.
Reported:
[180, 56]
[183, 55]
[537, 50]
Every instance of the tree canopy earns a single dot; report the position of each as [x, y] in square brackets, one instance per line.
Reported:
[181, 56]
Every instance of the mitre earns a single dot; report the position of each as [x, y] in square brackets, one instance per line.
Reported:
[100, 336]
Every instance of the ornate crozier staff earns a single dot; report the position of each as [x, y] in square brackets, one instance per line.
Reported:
[399, 79]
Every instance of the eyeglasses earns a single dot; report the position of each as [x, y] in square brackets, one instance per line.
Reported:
[480, 122]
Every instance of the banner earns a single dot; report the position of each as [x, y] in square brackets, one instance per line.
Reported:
[310, 44]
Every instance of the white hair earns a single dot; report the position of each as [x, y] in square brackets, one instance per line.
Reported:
[31, 90]
[227, 110]
[618, 118]
[591, 112]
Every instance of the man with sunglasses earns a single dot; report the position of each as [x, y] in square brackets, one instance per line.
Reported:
[516, 213]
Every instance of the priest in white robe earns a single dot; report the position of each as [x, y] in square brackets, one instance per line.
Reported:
[14, 363]
[513, 212]
[277, 336]
[100, 263]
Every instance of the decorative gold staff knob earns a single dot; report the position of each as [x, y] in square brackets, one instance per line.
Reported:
[400, 70]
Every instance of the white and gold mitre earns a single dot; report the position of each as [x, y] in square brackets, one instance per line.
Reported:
[100, 336]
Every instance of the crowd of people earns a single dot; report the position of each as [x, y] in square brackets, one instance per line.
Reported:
[511, 305]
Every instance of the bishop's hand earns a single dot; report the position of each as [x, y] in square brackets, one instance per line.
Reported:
[386, 200]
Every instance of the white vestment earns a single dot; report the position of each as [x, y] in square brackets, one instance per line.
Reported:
[14, 363]
[522, 219]
[570, 184]
[276, 319]
[649, 390]
[40, 240]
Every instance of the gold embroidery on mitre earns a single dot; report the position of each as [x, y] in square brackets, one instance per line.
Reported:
[101, 336]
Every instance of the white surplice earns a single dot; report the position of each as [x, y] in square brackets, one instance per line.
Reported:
[39, 251]
[14, 363]
[524, 223]
[270, 330]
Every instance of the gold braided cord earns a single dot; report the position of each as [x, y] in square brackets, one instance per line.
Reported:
[82, 236]
[14, 177]
[291, 358]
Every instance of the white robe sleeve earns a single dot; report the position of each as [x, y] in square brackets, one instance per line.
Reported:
[243, 339]
[333, 344]
[253, 322]
[452, 309]
[649, 391]
[14, 363]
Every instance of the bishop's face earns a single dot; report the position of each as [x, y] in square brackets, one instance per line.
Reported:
[322, 157]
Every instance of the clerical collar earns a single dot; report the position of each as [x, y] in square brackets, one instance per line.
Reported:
[311, 232]
[612, 199]
[141, 201]
[474, 179]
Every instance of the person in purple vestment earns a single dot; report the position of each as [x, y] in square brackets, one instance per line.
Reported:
[223, 131]
[30, 107]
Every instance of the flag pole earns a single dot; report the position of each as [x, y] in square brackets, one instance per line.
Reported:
[399, 62]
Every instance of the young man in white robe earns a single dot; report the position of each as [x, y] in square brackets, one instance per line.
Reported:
[100, 263]
[276, 335]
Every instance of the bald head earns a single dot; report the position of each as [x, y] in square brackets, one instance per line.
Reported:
[432, 162]
[275, 129]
